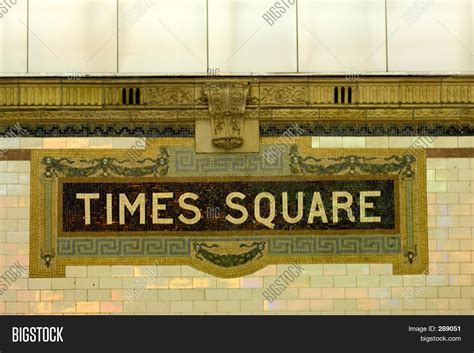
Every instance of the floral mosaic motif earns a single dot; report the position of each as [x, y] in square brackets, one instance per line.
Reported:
[107, 166]
[351, 164]
[229, 260]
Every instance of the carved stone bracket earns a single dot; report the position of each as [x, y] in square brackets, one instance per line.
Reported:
[227, 100]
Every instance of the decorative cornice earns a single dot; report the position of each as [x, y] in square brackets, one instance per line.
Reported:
[227, 101]
[147, 101]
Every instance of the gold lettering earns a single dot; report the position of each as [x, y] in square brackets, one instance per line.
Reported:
[317, 209]
[125, 203]
[160, 207]
[87, 205]
[299, 212]
[188, 207]
[236, 206]
[364, 205]
[258, 216]
[346, 206]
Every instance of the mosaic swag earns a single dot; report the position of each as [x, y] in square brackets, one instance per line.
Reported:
[228, 215]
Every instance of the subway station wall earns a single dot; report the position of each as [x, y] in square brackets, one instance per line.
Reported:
[448, 287]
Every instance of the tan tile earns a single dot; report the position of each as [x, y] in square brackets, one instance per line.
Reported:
[77, 142]
[353, 142]
[40, 308]
[31, 142]
[87, 307]
[54, 142]
[64, 307]
[330, 141]
[446, 142]
[52, 295]
[377, 142]
[76, 271]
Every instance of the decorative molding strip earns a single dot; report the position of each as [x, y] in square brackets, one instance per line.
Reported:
[264, 92]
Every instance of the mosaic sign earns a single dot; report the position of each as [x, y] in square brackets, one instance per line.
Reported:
[228, 215]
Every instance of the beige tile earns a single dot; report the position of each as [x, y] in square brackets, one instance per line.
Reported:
[9, 143]
[19, 166]
[87, 307]
[111, 307]
[446, 142]
[377, 142]
[332, 293]
[400, 141]
[330, 141]
[64, 307]
[182, 307]
[223, 294]
[334, 269]
[63, 283]
[437, 186]
[76, 271]
[39, 283]
[28, 295]
[322, 304]
[356, 293]
[77, 142]
[251, 305]
[87, 283]
[436, 163]
[121, 271]
[98, 271]
[31, 142]
[353, 142]
[54, 142]
[368, 304]
[110, 283]
[315, 142]
[158, 307]
[345, 281]
[40, 308]
[381, 269]
[100, 142]
[228, 306]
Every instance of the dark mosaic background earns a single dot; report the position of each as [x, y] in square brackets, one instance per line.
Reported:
[211, 202]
